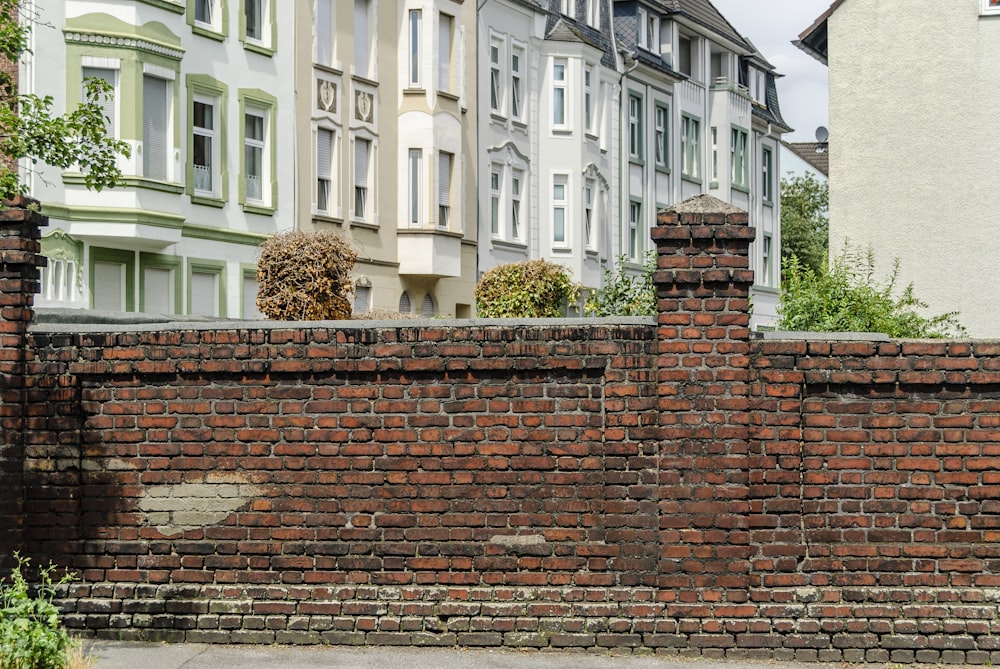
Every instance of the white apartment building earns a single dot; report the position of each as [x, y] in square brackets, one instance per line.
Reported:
[386, 146]
[595, 114]
[699, 115]
[203, 97]
[547, 128]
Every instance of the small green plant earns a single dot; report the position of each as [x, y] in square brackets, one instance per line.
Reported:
[848, 298]
[625, 294]
[31, 635]
[533, 289]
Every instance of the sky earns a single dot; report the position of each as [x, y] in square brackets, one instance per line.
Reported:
[772, 25]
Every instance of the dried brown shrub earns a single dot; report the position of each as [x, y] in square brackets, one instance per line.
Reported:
[305, 276]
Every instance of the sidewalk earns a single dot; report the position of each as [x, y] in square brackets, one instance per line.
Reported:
[118, 655]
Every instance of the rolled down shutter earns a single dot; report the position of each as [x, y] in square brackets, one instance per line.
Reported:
[444, 181]
[157, 291]
[154, 128]
[109, 286]
[108, 105]
[361, 163]
[324, 153]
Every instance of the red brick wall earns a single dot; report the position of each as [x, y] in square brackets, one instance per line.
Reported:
[630, 484]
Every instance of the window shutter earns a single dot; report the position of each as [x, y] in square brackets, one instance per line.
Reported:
[157, 291]
[404, 303]
[250, 289]
[444, 181]
[362, 298]
[324, 153]
[154, 128]
[107, 104]
[428, 308]
[204, 294]
[109, 286]
[361, 162]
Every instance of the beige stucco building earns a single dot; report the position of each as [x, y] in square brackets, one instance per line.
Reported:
[386, 145]
[914, 144]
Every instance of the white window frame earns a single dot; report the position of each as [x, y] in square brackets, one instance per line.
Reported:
[327, 175]
[635, 139]
[767, 175]
[497, 99]
[589, 112]
[324, 32]
[263, 22]
[168, 77]
[212, 134]
[214, 22]
[362, 204]
[633, 245]
[261, 145]
[446, 52]
[446, 185]
[690, 147]
[988, 7]
[414, 24]
[110, 105]
[364, 39]
[560, 75]
[516, 206]
[560, 210]
[715, 153]
[568, 8]
[740, 157]
[496, 200]
[414, 185]
[767, 261]
[589, 212]
[651, 29]
[593, 13]
[661, 126]
[517, 98]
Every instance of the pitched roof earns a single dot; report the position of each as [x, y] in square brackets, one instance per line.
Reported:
[814, 153]
[704, 13]
[813, 39]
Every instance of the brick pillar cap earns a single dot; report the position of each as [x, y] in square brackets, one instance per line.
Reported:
[702, 204]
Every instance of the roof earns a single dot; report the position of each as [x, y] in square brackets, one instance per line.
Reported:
[704, 13]
[814, 153]
[813, 39]
[560, 28]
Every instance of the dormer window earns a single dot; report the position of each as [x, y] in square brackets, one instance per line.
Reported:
[649, 30]
[568, 8]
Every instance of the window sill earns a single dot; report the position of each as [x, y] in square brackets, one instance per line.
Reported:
[713, 185]
[259, 48]
[740, 188]
[562, 250]
[519, 124]
[663, 169]
[414, 91]
[562, 131]
[592, 136]
[592, 252]
[768, 203]
[694, 180]
[512, 245]
[210, 33]
[329, 69]
[498, 117]
[360, 78]
[364, 225]
[154, 184]
[448, 95]
[319, 217]
[208, 201]
[635, 160]
[258, 208]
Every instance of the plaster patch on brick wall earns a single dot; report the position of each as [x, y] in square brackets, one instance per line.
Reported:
[511, 541]
[172, 509]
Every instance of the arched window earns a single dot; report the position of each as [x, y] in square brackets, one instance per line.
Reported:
[428, 308]
[404, 303]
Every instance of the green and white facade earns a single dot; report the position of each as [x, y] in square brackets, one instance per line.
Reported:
[205, 98]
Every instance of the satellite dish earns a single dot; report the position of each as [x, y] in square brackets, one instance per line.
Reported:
[822, 135]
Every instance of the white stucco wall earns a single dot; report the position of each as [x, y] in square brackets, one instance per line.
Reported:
[913, 89]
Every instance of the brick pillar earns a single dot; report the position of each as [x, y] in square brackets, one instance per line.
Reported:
[703, 283]
[19, 281]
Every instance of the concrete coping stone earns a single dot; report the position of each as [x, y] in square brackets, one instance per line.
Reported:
[798, 335]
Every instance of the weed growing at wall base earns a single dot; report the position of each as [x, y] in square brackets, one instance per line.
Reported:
[31, 635]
